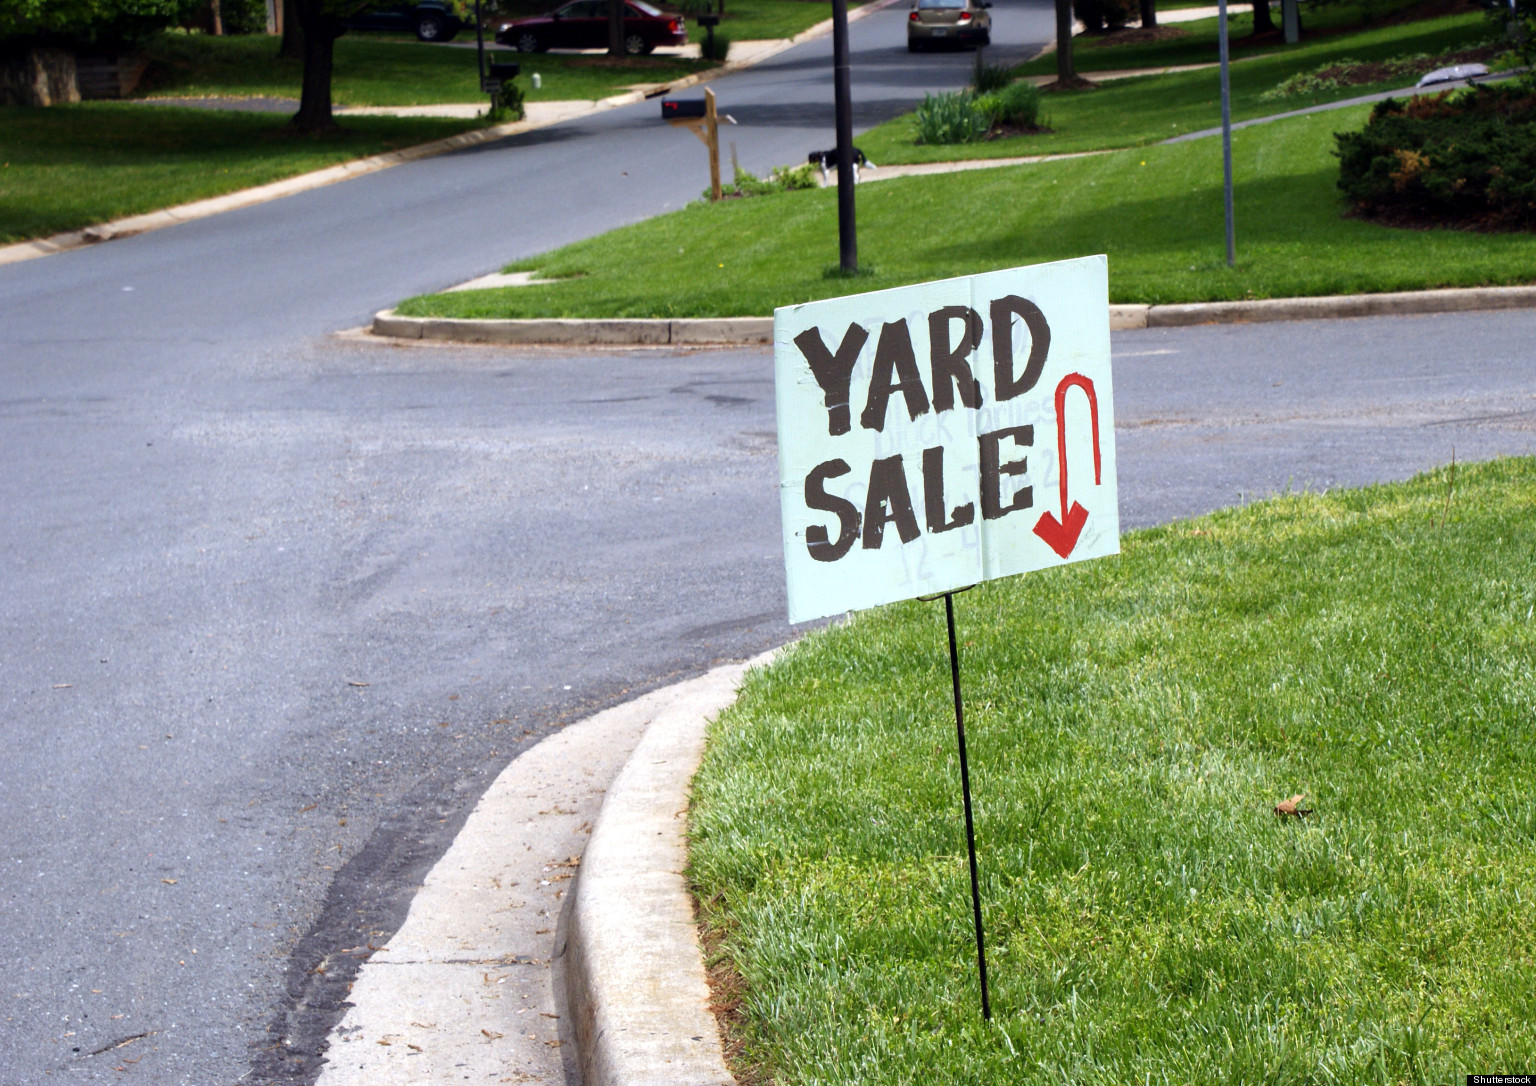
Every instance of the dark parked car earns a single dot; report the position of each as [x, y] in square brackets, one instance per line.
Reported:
[429, 20]
[584, 25]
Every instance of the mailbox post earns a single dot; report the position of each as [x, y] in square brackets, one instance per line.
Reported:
[709, 22]
[700, 117]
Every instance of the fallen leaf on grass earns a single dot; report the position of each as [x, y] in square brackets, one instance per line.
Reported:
[1292, 808]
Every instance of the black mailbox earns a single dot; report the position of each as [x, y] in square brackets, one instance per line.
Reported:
[707, 20]
[503, 73]
[681, 109]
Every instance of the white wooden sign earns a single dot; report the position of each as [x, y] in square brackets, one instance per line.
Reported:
[926, 434]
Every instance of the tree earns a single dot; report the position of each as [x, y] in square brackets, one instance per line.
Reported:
[1148, 13]
[1263, 21]
[1064, 70]
[616, 28]
[73, 24]
[320, 24]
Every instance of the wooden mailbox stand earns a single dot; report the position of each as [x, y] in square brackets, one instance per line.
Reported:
[704, 124]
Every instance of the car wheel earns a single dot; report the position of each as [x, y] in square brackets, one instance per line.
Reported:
[528, 42]
[635, 45]
[914, 46]
[429, 28]
[986, 37]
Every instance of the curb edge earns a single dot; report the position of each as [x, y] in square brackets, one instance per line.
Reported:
[728, 331]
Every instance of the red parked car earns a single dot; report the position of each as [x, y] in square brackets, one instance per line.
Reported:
[584, 25]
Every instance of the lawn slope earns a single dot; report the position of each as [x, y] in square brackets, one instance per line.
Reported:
[1131, 722]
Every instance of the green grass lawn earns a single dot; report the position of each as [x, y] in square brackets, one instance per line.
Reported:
[1130, 724]
[374, 72]
[743, 20]
[66, 167]
[1092, 53]
[1157, 212]
[1148, 109]
[754, 20]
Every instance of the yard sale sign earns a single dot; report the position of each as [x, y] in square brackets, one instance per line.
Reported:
[935, 436]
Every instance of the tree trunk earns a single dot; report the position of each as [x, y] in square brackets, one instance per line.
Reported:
[616, 28]
[1263, 21]
[320, 33]
[215, 18]
[292, 47]
[1148, 13]
[1064, 70]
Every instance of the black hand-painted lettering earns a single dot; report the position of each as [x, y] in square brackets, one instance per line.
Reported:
[889, 501]
[833, 371]
[816, 497]
[949, 365]
[1005, 385]
[993, 470]
[939, 518]
[895, 371]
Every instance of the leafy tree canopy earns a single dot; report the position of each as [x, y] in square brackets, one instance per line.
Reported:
[86, 22]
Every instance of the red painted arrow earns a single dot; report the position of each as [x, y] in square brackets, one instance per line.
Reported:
[1061, 535]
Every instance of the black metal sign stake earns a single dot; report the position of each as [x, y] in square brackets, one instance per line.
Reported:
[965, 789]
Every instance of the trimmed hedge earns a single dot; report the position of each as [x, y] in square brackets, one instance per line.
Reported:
[1463, 158]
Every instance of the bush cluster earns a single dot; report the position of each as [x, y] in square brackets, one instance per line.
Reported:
[965, 116]
[782, 179]
[1107, 14]
[1015, 106]
[1464, 158]
[721, 46]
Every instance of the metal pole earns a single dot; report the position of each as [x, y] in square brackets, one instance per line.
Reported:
[965, 790]
[1226, 131]
[847, 234]
[480, 50]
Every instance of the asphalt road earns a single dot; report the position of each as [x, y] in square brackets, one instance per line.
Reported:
[277, 606]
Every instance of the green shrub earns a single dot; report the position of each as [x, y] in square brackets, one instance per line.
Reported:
[716, 48]
[509, 104]
[1457, 159]
[985, 77]
[782, 179]
[1015, 106]
[951, 117]
[1107, 14]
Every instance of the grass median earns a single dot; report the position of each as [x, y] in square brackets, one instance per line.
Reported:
[67, 167]
[1157, 212]
[1149, 109]
[1131, 722]
[373, 71]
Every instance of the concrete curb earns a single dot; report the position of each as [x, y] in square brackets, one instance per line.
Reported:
[201, 209]
[619, 332]
[635, 979]
[726, 331]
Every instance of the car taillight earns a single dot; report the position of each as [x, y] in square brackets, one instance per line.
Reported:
[913, 17]
[965, 16]
[674, 27]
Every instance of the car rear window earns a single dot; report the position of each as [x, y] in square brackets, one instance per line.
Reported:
[645, 8]
[945, 5]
